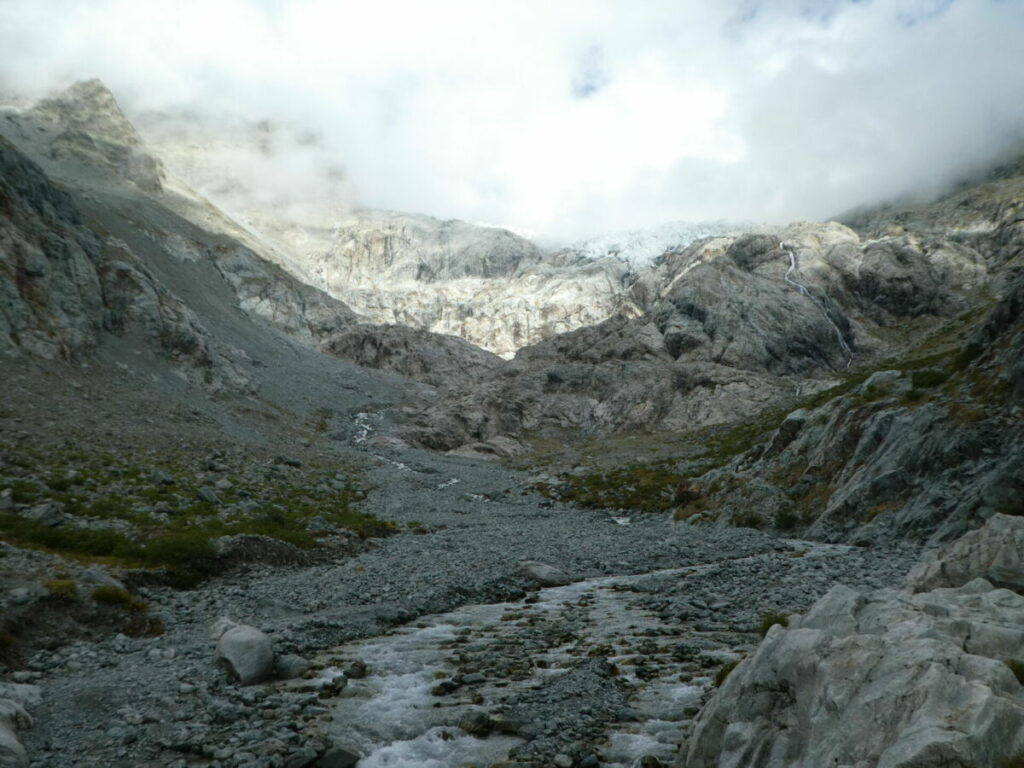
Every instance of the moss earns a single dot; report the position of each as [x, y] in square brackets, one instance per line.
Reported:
[120, 598]
[63, 589]
[724, 671]
[1017, 667]
[769, 620]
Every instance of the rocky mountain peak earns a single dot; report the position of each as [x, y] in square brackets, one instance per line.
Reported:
[90, 127]
[90, 107]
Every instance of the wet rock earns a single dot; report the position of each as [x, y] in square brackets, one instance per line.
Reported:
[356, 670]
[476, 723]
[289, 666]
[337, 757]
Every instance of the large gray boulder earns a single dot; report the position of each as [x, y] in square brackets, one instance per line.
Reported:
[13, 700]
[994, 552]
[245, 651]
[887, 680]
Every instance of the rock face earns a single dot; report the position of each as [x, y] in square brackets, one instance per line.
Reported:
[994, 552]
[884, 679]
[430, 357]
[929, 450]
[244, 651]
[715, 333]
[484, 284]
[63, 287]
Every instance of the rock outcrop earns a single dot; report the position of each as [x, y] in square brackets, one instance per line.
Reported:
[64, 287]
[930, 449]
[88, 126]
[884, 679]
[717, 332]
[994, 552]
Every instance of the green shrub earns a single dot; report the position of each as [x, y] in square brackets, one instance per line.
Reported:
[723, 672]
[928, 377]
[786, 520]
[769, 620]
[968, 354]
[120, 598]
[748, 518]
[1017, 667]
[63, 589]
[1014, 761]
[912, 395]
[189, 555]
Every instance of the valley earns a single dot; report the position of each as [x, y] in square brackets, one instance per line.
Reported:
[471, 501]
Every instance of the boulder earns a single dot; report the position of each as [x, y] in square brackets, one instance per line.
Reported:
[13, 700]
[544, 574]
[884, 679]
[994, 552]
[245, 651]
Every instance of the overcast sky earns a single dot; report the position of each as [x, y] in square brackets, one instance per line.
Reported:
[564, 117]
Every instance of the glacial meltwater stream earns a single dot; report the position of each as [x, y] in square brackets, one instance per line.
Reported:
[465, 688]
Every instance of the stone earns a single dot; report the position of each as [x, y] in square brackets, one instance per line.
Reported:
[562, 760]
[338, 757]
[208, 494]
[245, 651]
[356, 670]
[289, 666]
[476, 723]
[50, 514]
[542, 573]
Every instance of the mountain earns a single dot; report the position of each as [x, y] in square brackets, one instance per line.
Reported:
[421, 550]
[487, 285]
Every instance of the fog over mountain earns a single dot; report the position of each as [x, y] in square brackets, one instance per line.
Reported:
[566, 119]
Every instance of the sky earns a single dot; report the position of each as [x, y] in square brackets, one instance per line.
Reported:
[562, 118]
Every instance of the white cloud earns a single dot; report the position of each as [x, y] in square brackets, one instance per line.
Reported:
[747, 109]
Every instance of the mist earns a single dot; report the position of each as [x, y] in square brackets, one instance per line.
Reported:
[560, 119]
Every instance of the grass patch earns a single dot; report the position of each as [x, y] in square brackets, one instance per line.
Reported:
[769, 620]
[119, 598]
[724, 671]
[1017, 667]
[62, 589]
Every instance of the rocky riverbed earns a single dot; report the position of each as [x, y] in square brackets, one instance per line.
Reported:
[436, 644]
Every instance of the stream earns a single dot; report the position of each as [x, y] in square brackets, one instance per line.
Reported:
[424, 678]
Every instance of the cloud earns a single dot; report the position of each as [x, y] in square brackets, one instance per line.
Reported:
[562, 118]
